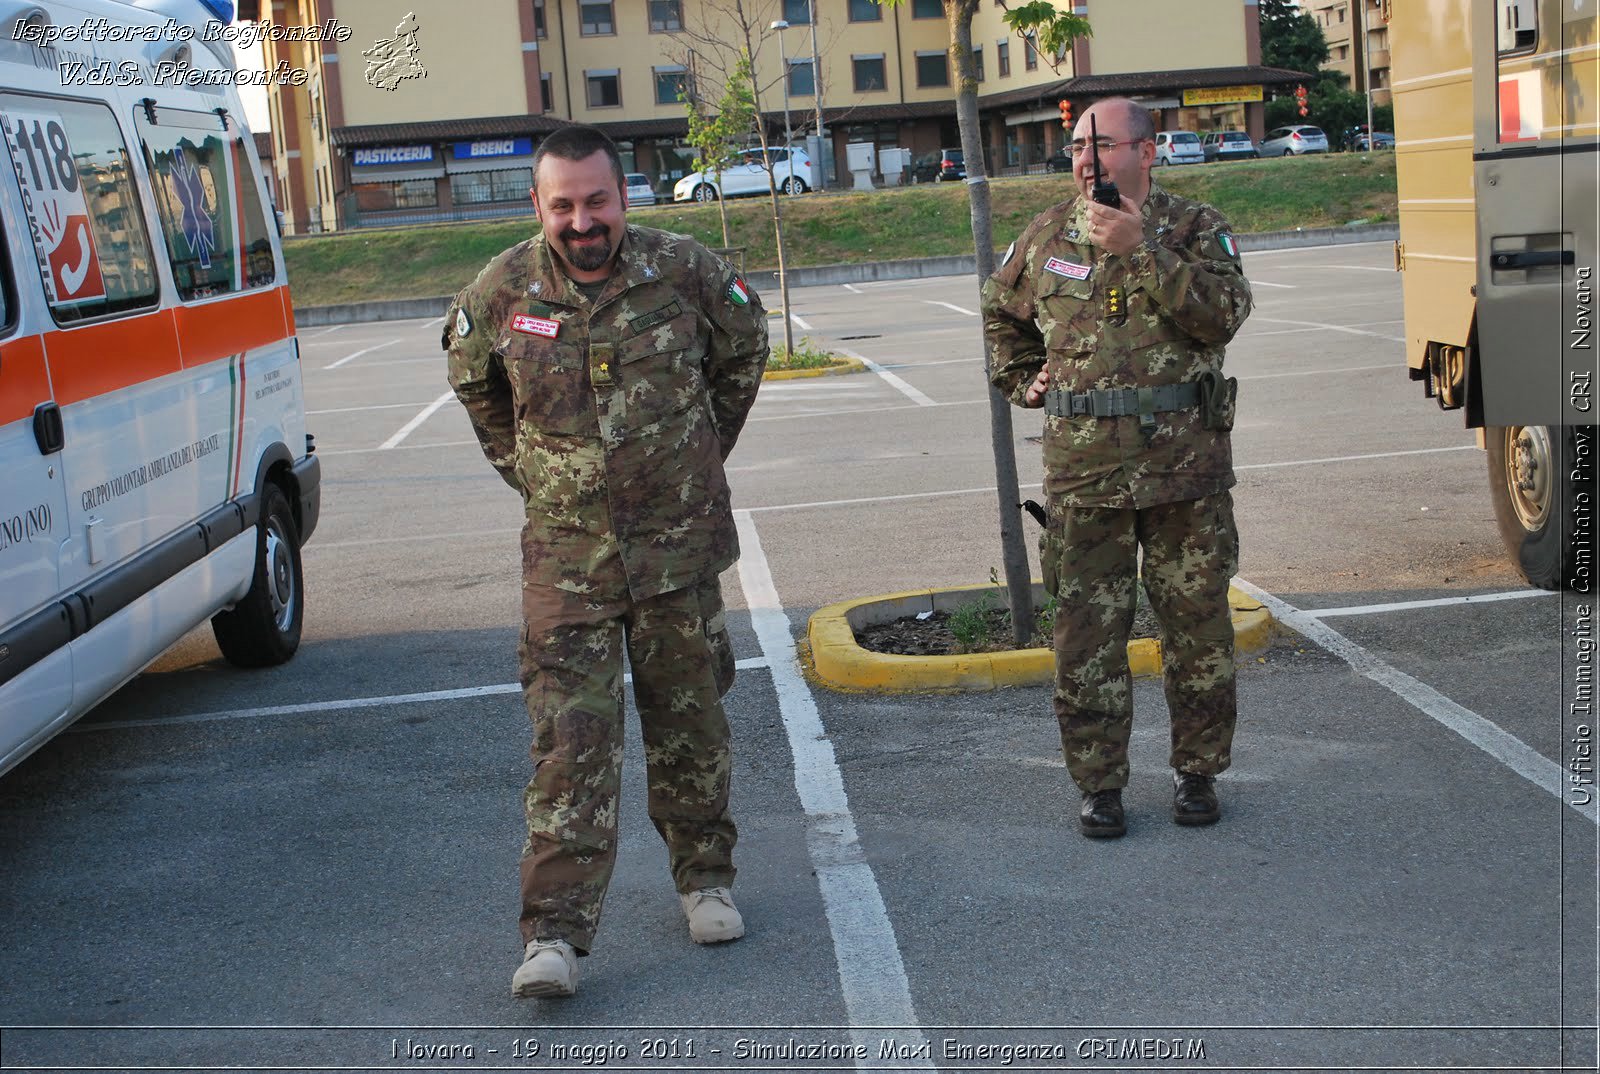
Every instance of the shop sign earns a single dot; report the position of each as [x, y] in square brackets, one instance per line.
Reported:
[1221, 95]
[392, 154]
[493, 147]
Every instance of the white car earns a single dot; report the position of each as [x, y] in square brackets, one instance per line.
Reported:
[640, 192]
[747, 175]
[1179, 147]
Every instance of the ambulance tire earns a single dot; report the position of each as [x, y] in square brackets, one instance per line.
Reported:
[1532, 486]
[263, 629]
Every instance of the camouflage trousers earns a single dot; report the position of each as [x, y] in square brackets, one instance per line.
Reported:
[571, 668]
[1191, 551]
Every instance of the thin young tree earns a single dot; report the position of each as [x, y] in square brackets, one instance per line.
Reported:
[1054, 31]
[714, 130]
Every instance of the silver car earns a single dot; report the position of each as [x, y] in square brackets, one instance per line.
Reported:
[1179, 147]
[1295, 141]
[640, 192]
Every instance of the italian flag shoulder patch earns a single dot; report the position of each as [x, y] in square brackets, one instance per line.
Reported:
[737, 294]
[1228, 244]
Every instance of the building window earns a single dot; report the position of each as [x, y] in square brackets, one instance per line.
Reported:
[869, 73]
[927, 9]
[933, 69]
[1030, 55]
[547, 96]
[538, 19]
[666, 16]
[409, 194]
[977, 61]
[801, 84]
[797, 12]
[865, 11]
[605, 88]
[672, 84]
[1002, 56]
[477, 188]
[595, 18]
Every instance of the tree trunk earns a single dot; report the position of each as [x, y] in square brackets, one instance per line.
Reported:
[1013, 547]
[722, 209]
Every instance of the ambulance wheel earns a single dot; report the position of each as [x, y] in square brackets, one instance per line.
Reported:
[263, 629]
[1532, 486]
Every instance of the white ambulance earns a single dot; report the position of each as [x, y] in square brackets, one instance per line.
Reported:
[155, 470]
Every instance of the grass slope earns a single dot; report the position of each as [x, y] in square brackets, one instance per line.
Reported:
[885, 225]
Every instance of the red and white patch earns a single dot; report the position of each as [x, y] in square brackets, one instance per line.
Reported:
[1070, 269]
[535, 326]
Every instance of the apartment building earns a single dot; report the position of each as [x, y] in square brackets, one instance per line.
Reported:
[1357, 33]
[422, 111]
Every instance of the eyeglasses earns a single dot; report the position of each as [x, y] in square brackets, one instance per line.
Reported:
[1106, 145]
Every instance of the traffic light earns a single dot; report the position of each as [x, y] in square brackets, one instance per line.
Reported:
[1300, 99]
[1066, 115]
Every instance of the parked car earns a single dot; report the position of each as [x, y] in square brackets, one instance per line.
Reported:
[1378, 140]
[940, 167]
[746, 174]
[1059, 161]
[1228, 145]
[1298, 140]
[1178, 147]
[640, 192]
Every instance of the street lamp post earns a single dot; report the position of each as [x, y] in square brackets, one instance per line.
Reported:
[816, 95]
[783, 55]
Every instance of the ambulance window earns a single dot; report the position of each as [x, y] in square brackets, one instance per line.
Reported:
[82, 206]
[209, 203]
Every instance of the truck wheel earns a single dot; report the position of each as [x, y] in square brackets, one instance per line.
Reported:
[263, 629]
[1532, 488]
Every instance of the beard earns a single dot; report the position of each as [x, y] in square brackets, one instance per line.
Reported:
[587, 258]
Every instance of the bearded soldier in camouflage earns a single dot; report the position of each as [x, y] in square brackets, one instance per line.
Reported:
[1114, 319]
[607, 370]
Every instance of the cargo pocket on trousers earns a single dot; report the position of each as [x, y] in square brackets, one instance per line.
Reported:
[715, 621]
[1051, 551]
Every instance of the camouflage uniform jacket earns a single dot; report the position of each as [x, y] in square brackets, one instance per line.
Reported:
[1184, 296]
[613, 417]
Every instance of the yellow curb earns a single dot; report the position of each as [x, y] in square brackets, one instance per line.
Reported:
[845, 365]
[842, 664]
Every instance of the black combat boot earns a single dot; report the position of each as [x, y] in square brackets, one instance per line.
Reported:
[1194, 799]
[1101, 816]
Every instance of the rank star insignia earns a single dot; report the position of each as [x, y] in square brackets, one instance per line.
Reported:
[649, 272]
[535, 287]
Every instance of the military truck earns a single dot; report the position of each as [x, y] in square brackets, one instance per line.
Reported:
[1496, 105]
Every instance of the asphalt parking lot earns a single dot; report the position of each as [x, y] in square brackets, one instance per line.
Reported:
[323, 856]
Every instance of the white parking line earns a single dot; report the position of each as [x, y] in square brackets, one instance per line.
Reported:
[1441, 602]
[948, 306]
[1331, 328]
[359, 353]
[895, 382]
[1265, 283]
[327, 331]
[1485, 734]
[1319, 372]
[799, 322]
[853, 289]
[341, 704]
[411, 425]
[872, 975]
[356, 409]
[1355, 458]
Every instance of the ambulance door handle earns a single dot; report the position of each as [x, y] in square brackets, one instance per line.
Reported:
[47, 428]
[1526, 259]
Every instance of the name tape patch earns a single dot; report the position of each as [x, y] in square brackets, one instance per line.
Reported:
[535, 326]
[1070, 269]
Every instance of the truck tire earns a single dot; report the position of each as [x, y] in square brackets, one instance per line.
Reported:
[1534, 493]
[263, 629]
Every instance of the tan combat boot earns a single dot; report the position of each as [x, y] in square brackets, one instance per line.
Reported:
[712, 916]
[549, 968]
